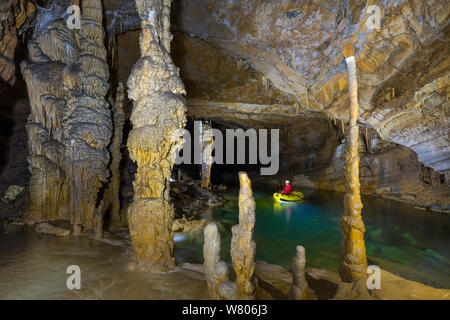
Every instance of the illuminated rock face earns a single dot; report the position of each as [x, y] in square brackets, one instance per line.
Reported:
[158, 117]
[353, 252]
[243, 247]
[70, 126]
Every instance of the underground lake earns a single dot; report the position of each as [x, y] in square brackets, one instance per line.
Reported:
[399, 238]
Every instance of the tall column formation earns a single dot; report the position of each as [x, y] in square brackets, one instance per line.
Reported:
[112, 197]
[299, 285]
[70, 123]
[353, 264]
[216, 271]
[243, 247]
[207, 159]
[49, 194]
[88, 127]
[158, 116]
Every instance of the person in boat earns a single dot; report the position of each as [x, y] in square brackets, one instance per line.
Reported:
[287, 189]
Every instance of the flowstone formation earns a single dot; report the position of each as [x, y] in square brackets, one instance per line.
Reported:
[353, 255]
[299, 285]
[216, 271]
[70, 126]
[158, 117]
[243, 247]
[207, 159]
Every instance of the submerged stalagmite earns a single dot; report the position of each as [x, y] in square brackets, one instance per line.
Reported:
[158, 117]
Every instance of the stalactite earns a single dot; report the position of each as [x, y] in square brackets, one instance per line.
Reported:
[158, 115]
[122, 21]
[112, 197]
[216, 271]
[243, 247]
[207, 159]
[70, 123]
[15, 18]
[299, 285]
[362, 144]
[353, 264]
[366, 136]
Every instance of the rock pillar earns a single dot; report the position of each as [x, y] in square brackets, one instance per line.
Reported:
[158, 116]
[70, 123]
[216, 271]
[88, 126]
[299, 285]
[243, 247]
[353, 264]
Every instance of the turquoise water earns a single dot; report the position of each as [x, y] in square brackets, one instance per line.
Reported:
[403, 240]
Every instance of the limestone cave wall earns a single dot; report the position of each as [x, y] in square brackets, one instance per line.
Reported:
[312, 156]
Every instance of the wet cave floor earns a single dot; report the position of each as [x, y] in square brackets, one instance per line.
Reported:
[33, 266]
[400, 239]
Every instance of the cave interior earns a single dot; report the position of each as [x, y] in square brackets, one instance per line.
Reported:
[353, 97]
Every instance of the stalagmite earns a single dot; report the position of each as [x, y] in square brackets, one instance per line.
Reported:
[243, 247]
[216, 271]
[353, 264]
[112, 199]
[158, 117]
[70, 125]
[299, 285]
[207, 159]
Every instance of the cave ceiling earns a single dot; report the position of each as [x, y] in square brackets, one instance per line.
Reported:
[272, 63]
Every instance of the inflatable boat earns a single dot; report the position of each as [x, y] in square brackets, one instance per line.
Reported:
[292, 197]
